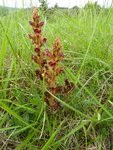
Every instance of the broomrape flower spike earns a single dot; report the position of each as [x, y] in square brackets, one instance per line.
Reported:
[48, 62]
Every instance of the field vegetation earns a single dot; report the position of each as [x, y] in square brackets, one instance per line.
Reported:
[85, 119]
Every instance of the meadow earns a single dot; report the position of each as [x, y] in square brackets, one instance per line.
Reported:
[85, 119]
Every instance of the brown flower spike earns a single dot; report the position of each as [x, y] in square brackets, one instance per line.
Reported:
[38, 41]
[48, 62]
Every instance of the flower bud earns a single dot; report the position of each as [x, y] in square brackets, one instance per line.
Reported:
[37, 30]
[44, 40]
[41, 24]
[38, 74]
[34, 58]
[61, 54]
[52, 63]
[48, 53]
[37, 50]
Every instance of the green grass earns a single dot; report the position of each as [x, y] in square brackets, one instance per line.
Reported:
[85, 119]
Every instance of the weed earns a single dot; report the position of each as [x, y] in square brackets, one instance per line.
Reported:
[48, 62]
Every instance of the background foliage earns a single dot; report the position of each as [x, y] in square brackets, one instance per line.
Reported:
[85, 120]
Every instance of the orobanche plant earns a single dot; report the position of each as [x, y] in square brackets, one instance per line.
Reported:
[48, 62]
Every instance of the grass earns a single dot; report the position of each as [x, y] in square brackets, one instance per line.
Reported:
[85, 120]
